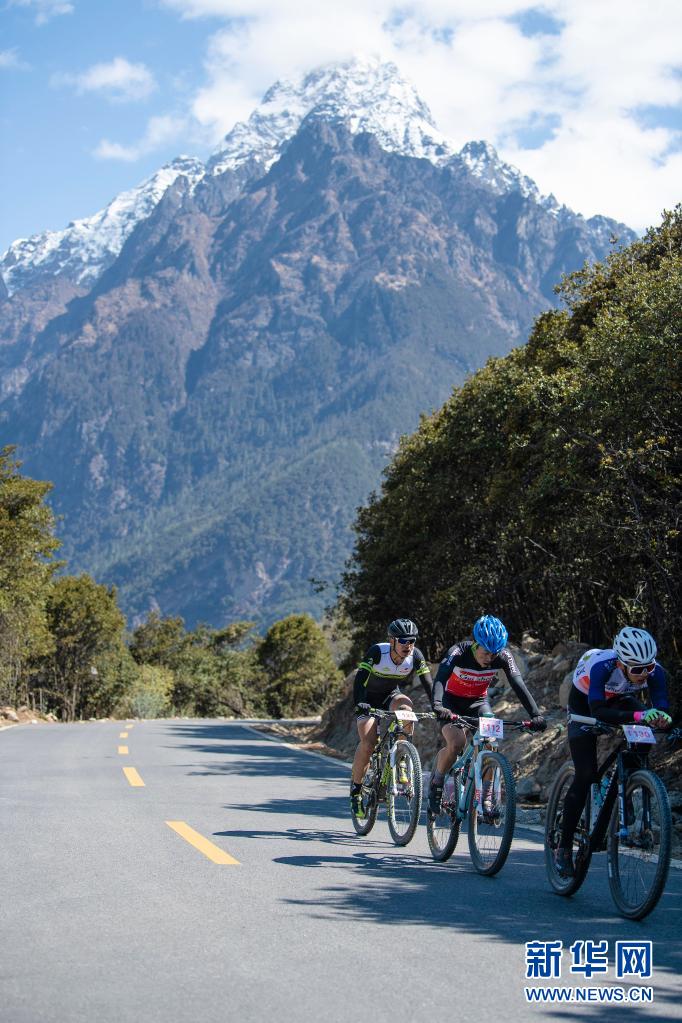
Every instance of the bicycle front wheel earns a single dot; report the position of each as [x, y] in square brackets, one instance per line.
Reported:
[553, 825]
[639, 855]
[404, 796]
[442, 831]
[491, 818]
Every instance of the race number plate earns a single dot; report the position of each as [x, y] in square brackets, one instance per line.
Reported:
[638, 733]
[405, 715]
[490, 728]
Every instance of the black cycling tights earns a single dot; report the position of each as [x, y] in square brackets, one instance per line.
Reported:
[584, 752]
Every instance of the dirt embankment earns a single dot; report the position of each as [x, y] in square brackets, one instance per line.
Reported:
[22, 716]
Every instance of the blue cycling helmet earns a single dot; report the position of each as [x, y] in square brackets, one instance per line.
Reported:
[490, 633]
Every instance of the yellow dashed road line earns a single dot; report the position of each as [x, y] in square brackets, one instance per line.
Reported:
[204, 846]
[123, 750]
[133, 777]
[123, 735]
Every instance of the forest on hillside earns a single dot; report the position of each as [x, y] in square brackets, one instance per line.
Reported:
[546, 490]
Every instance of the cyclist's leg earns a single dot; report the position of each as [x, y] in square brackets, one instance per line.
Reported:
[455, 741]
[367, 733]
[584, 755]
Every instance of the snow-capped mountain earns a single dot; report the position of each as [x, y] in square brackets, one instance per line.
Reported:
[87, 247]
[366, 94]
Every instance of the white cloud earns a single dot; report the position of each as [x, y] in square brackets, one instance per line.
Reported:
[118, 80]
[490, 69]
[44, 10]
[160, 131]
[11, 60]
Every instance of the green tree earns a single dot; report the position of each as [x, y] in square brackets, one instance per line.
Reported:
[87, 629]
[211, 669]
[301, 676]
[548, 488]
[150, 694]
[159, 641]
[27, 547]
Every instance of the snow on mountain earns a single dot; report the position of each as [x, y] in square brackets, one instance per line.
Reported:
[367, 94]
[86, 247]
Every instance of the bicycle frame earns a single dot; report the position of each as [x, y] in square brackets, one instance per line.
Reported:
[463, 764]
[385, 748]
[628, 758]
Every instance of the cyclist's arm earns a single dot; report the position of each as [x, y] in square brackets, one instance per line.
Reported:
[515, 680]
[442, 675]
[658, 689]
[423, 673]
[611, 711]
[364, 673]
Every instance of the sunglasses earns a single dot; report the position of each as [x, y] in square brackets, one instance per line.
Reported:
[641, 669]
[404, 640]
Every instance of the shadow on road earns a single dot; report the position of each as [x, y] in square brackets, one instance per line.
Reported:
[255, 758]
[515, 906]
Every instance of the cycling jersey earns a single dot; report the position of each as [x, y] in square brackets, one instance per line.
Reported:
[598, 677]
[378, 674]
[461, 676]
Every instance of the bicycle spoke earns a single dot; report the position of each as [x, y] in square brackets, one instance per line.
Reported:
[443, 830]
[405, 793]
[639, 856]
[490, 821]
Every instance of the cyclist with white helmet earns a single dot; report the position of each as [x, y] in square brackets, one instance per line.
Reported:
[461, 687]
[610, 685]
[381, 673]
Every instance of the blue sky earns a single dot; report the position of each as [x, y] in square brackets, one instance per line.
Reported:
[583, 96]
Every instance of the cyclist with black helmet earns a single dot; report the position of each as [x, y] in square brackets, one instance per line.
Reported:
[381, 673]
[461, 687]
[609, 685]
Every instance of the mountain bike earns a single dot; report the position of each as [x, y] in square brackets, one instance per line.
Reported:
[480, 786]
[627, 813]
[394, 757]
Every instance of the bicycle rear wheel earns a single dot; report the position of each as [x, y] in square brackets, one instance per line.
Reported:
[490, 826]
[370, 800]
[442, 831]
[639, 860]
[581, 841]
[404, 799]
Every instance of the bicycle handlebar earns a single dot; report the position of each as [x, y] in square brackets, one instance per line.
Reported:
[473, 722]
[607, 727]
[376, 713]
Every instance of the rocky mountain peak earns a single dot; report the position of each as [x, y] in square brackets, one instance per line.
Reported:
[86, 247]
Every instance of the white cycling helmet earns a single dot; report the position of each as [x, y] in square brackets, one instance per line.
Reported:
[635, 646]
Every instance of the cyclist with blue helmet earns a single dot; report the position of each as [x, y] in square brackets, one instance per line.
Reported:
[461, 687]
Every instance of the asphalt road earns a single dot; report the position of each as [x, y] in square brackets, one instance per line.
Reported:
[110, 913]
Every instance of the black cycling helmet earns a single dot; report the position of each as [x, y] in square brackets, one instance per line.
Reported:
[403, 627]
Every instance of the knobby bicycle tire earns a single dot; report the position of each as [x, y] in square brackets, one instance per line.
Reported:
[406, 804]
[638, 865]
[442, 831]
[490, 836]
[581, 843]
